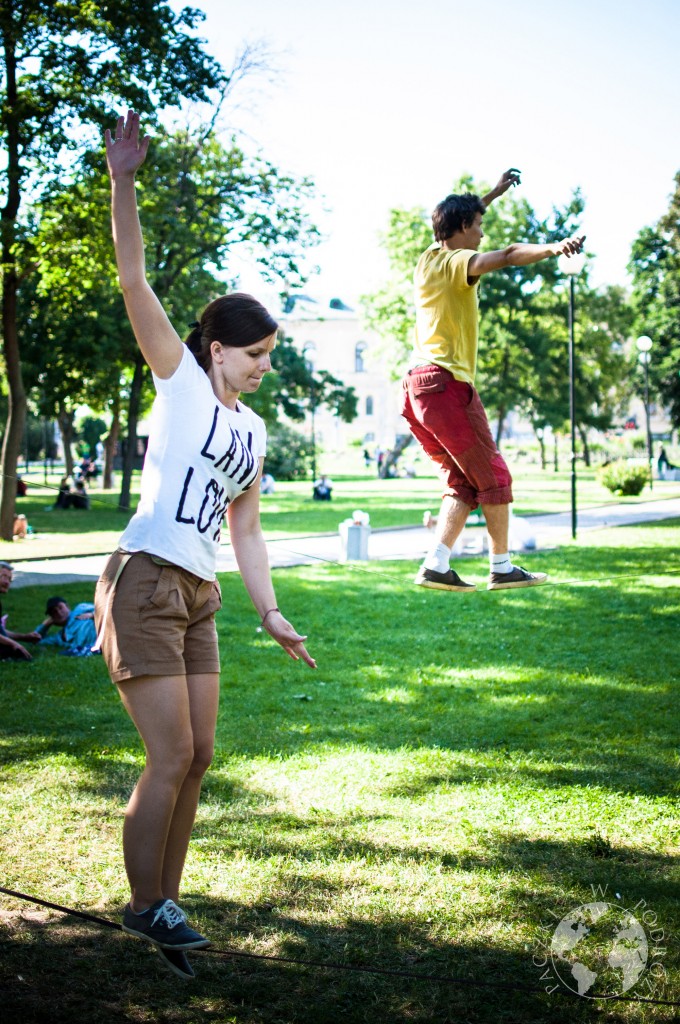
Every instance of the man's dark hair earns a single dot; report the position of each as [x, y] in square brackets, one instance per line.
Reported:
[455, 213]
[52, 603]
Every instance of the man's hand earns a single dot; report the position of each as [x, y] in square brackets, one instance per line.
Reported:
[507, 180]
[569, 247]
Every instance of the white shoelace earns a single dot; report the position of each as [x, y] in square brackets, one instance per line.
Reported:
[170, 914]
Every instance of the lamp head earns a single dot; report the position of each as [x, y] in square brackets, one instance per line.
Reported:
[571, 265]
[644, 343]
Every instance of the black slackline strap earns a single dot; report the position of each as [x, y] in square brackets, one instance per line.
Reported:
[384, 971]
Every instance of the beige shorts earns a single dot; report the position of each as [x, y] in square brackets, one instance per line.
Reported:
[159, 620]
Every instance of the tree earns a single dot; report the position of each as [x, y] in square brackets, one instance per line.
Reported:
[65, 65]
[200, 201]
[655, 266]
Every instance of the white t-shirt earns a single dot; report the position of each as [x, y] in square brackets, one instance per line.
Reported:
[201, 456]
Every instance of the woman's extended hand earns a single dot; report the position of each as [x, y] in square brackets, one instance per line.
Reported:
[125, 153]
[281, 630]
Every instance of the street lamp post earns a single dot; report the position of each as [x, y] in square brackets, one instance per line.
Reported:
[644, 345]
[309, 351]
[572, 265]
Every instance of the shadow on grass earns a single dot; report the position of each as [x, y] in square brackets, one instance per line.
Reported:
[58, 971]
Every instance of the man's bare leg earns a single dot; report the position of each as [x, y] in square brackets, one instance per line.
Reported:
[497, 524]
[452, 518]
[435, 572]
[503, 574]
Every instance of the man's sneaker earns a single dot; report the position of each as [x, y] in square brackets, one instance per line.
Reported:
[517, 578]
[164, 925]
[449, 580]
[177, 961]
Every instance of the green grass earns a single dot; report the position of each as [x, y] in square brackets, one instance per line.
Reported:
[460, 772]
[290, 511]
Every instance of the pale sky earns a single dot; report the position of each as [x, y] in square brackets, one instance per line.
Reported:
[384, 104]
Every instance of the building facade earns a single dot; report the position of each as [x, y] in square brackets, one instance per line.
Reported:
[332, 338]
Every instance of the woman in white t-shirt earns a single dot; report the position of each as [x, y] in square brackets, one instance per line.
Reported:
[157, 597]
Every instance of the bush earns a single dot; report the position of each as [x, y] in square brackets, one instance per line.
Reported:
[288, 453]
[623, 478]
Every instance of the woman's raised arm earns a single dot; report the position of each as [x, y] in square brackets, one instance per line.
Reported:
[156, 337]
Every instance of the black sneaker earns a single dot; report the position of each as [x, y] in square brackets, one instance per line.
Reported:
[164, 925]
[177, 961]
[449, 580]
[517, 578]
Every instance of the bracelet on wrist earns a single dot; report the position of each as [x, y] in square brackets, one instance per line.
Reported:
[264, 617]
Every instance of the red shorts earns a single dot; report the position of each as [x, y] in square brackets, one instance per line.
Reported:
[448, 419]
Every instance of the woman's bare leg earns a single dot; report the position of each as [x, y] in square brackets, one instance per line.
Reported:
[203, 693]
[160, 708]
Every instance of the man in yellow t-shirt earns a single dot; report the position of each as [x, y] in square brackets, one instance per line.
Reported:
[440, 402]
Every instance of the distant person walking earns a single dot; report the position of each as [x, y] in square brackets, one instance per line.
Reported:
[440, 402]
[157, 598]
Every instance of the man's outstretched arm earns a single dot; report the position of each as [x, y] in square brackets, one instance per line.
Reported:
[521, 254]
[506, 181]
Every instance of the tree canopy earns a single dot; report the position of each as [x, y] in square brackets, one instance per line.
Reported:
[64, 67]
[655, 266]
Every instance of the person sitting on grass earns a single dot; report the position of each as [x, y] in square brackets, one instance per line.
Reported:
[323, 489]
[157, 598]
[77, 633]
[11, 647]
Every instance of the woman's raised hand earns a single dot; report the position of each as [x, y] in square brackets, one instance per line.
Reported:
[125, 153]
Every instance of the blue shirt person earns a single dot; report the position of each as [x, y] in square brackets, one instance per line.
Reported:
[77, 632]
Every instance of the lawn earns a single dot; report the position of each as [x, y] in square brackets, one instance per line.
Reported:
[290, 511]
[459, 774]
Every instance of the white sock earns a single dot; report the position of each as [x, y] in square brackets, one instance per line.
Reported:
[438, 558]
[500, 563]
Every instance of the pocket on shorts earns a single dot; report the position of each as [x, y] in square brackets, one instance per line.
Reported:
[215, 597]
[430, 383]
[159, 598]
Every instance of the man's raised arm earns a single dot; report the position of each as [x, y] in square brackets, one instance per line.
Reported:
[506, 181]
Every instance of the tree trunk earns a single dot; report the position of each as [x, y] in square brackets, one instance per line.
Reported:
[555, 454]
[392, 456]
[133, 418]
[110, 445]
[582, 433]
[16, 412]
[501, 423]
[65, 421]
[541, 442]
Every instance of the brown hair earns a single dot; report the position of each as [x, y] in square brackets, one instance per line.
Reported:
[235, 320]
[455, 213]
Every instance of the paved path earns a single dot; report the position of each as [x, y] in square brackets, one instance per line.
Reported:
[408, 543]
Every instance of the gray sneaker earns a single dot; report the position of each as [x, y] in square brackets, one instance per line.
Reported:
[517, 578]
[442, 580]
[164, 925]
[177, 961]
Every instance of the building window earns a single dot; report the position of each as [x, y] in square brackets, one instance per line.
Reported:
[369, 405]
[359, 350]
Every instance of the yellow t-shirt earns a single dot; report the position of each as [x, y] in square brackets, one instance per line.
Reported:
[447, 316]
